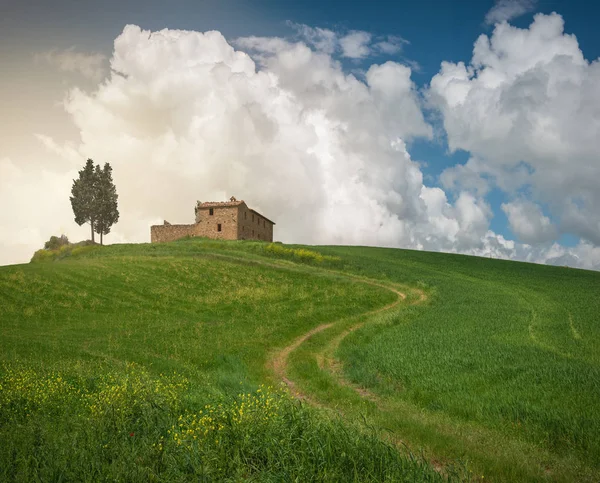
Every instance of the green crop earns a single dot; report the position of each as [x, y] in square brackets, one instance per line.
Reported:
[164, 362]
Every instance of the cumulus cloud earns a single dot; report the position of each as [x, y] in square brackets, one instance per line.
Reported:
[527, 221]
[355, 44]
[505, 10]
[390, 45]
[310, 146]
[527, 107]
[90, 65]
[324, 40]
[185, 116]
[466, 177]
[583, 255]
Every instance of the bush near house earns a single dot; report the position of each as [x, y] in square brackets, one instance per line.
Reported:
[58, 248]
[56, 242]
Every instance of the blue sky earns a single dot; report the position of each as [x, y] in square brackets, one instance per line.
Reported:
[434, 31]
[450, 27]
[438, 30]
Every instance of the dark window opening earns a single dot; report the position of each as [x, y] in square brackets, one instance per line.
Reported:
[211, 211]
[219, 227]
[252, 232]
[245, 215]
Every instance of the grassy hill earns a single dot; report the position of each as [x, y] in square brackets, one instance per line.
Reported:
[165, 362]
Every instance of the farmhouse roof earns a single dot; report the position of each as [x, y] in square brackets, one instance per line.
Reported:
[213, 204]
[218, 204]
[259, 214]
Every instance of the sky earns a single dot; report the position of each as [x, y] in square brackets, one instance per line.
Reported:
[464, 127]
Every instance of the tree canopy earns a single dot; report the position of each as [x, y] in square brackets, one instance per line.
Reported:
[106, 201]
[94, 198]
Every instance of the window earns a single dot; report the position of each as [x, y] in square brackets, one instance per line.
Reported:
[245, 215]
[219, 227]
[252, 232]
[211, 212]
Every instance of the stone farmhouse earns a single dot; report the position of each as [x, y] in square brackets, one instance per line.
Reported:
[229, 220]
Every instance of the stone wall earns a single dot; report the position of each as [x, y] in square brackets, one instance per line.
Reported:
[168, 232]
[253, 226]
[208, 225]
[233, 222]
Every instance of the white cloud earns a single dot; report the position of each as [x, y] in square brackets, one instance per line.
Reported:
[527, 108]
[505, 10]
[355, 44]
[323, 40]
[583, 255]
[90, 65]
[184, 116]
[390, 45]
[466, 177]
[268, 45]
[527, 221]
[297, 137]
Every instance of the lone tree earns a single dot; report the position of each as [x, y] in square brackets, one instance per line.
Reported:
[83, 196]
[94, 198]
[106, 201]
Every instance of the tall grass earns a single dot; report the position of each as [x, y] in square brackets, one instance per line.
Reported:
[131, 426]
[303, 255]
[499, 367]
[492, 351]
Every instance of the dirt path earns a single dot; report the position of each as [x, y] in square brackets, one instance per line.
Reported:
[280, 361]
[327, 362]
[325, 359]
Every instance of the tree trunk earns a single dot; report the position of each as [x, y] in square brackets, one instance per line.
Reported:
[100, 238]
[92, 225]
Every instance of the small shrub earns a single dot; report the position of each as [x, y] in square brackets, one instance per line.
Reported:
[56, 242]
[42, 255]
[63, 250]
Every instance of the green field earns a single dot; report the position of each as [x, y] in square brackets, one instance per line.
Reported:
[165, 362]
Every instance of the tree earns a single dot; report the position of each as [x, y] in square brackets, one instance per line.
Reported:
[106, 201]
[83, 199]
[94, 199]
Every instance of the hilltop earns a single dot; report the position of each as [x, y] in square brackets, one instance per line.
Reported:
[171, 357]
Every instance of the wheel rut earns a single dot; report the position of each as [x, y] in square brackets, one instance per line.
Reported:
[280, 361]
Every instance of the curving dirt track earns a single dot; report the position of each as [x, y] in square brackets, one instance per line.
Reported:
[325, 360]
